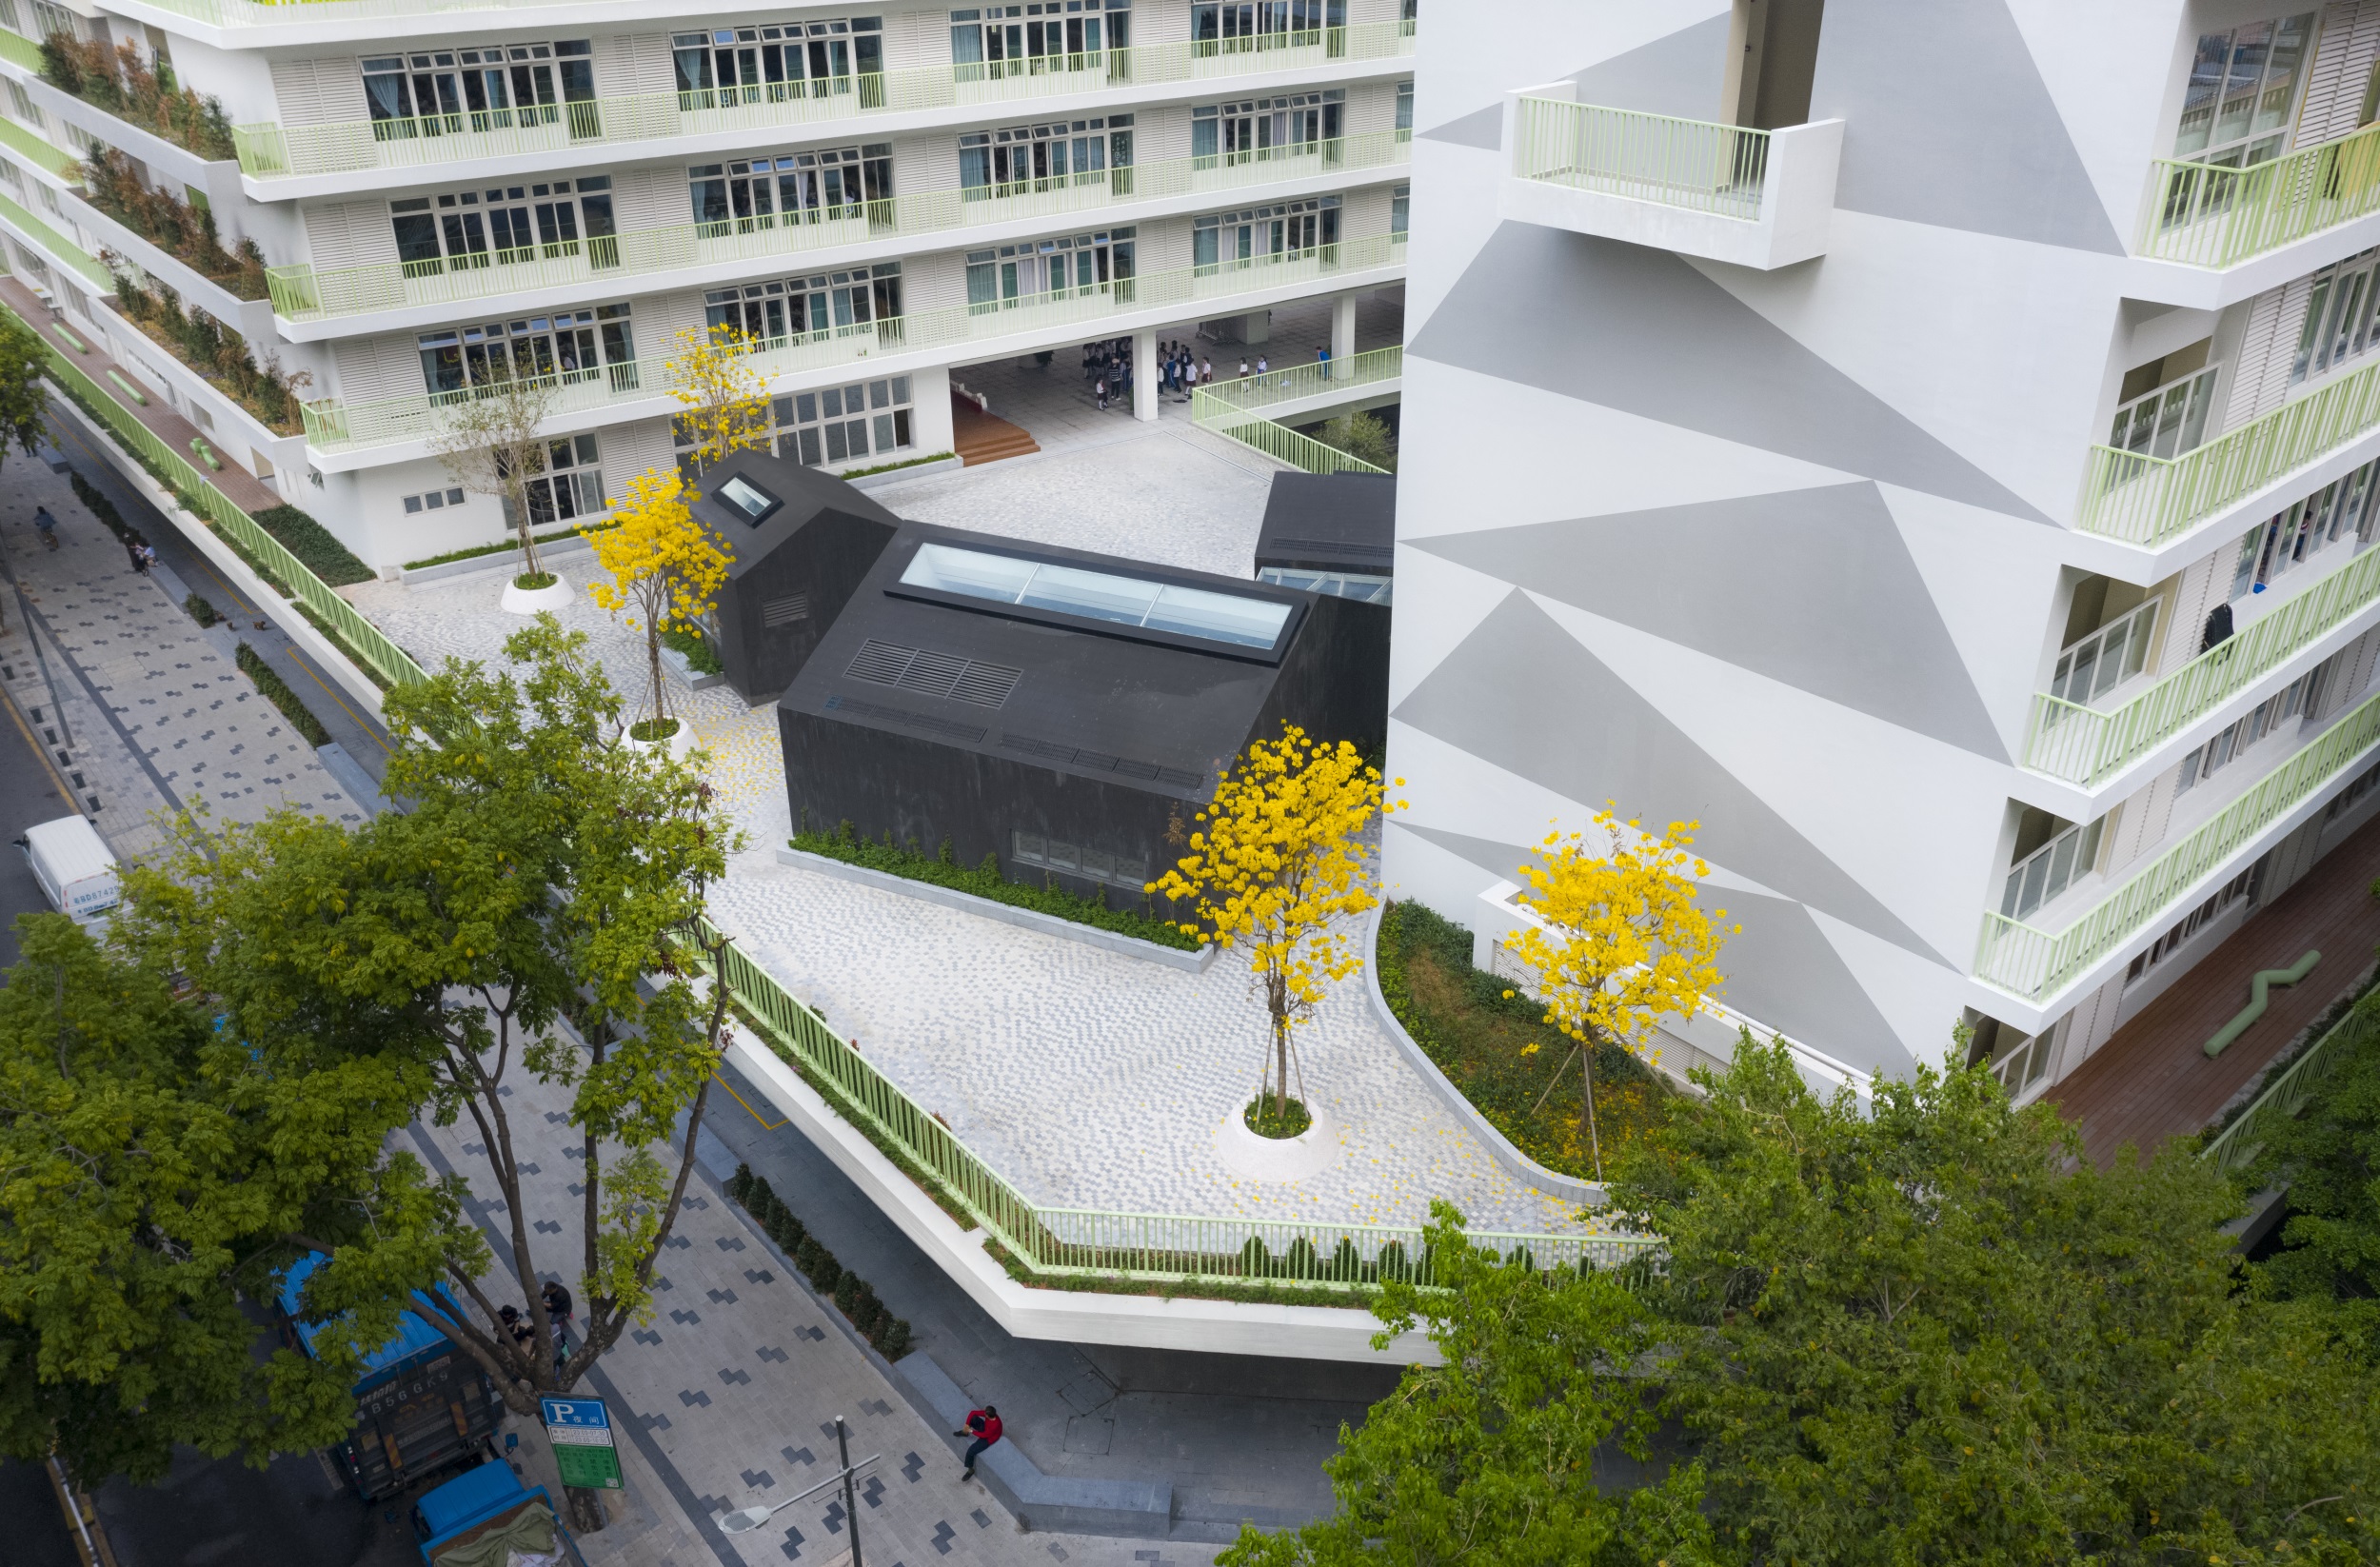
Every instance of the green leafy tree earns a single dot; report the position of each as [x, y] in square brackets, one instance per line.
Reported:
[24, 400]
[541, 873]
[1363, 437]
[151, 1169]
[2328, 1153]
[1930, 1333]
[1490, 1455]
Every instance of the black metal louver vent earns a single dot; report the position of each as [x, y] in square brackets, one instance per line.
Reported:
[785, 611]
[933, 674]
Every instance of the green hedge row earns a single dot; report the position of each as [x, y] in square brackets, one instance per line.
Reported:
[277, 692]
[311, 543]
[851, 1293]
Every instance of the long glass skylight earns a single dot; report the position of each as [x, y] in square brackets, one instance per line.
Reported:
[1098, 595]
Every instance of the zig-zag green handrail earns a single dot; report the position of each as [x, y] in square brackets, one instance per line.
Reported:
[2259, 989]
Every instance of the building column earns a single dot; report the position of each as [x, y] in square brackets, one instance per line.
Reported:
[1144, 375]
[1343, 329]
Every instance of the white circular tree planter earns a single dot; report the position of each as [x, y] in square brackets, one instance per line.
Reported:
[678, 745]
[1310, 1152]
[529, 601]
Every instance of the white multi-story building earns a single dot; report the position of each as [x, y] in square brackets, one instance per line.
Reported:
[442, 195]
[1931, 444]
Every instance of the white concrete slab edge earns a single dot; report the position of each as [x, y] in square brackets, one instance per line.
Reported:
[1218, 1327]
[967, 903]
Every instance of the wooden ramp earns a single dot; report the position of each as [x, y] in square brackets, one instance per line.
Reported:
[980, 437]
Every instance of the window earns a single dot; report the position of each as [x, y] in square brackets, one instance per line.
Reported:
[49, 201]
[749, 499]
[992, 43]
[1399, 212]
[447, 92]
[506, 225]
[576, 345]
[570, 485]
[2039, 877]
[2232, 743]
[436, 500]
[1262, 128]
[785, 310]
[2191, 924]
[13, 177]
[48, 19]
[1404, 107]
[1263, 233]
[22, 106]
[1339, 584]
[1120, 870]
[722, 67]
[2347, 799]
[1075, 591]
[30, 263]
[2346, 506]
[1041, 270]
[844, 424]
[2243, 92]
[1237, 26]
[744, 194]
[2338, 317]
[8, 17]
[1045, 157]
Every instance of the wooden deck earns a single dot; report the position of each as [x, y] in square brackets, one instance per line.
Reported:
[2153, 1079]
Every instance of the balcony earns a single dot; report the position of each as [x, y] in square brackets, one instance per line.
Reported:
[270, 151]
[333, 426]
[301, 294]
[2221, 222]
[1723, 192]
[2069, 738]
[2034, 963]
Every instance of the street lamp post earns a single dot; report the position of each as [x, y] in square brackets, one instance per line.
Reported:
[747, 1519]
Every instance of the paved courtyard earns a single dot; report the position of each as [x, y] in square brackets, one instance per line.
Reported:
[1089, 1079]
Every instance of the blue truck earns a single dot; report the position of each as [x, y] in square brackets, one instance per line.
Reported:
[423, 1404]
[489, 1518]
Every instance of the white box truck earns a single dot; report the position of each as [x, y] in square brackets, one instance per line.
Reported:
[74, 867]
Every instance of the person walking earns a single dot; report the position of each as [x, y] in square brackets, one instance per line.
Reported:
[558, 1308]
[1323, 357]
[1099, 391]
[143, 558]
[984, 1425]
[1243, 367]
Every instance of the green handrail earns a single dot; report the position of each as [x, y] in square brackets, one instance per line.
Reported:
[271, 150]
[2237, 1146]
[2147, 499]
[1695, 164]
[302, 294]
[18, 50]
[1226, 407]
[2035, 964]
[55, 245]
[2087, 747]
[2203, 214]
[332, 426]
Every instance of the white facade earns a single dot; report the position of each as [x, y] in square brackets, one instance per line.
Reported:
[1874, 504]
[880, 194]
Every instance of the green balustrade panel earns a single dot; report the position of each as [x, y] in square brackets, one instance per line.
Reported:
[2205, 215]
[1694, 165]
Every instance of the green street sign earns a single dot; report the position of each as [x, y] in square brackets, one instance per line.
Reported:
[579, 1430]
[584, 1467]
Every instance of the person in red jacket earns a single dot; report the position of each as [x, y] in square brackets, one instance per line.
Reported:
[984, 1425]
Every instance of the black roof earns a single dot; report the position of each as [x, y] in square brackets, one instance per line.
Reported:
[1337, 522]
[803, 495]
[1161, 712]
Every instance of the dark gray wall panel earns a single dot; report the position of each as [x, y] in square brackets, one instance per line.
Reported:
[1947, 122]
[1813, 588]
[1521, 694]
[1680, 73]
[1784, 972]
[1641, 330]
[1482, 128]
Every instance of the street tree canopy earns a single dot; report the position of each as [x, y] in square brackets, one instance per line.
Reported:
[152, 1165]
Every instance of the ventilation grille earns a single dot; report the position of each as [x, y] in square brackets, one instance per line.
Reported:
[972, 734]
[933, 674]
[785, 611]
[1332, 547]
[1050, 750]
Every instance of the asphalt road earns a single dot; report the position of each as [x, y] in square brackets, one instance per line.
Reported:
[30, 793]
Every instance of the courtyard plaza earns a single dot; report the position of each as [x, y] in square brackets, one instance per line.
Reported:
[1087, 1078]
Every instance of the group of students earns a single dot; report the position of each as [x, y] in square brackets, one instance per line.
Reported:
[558, 1308]
[1108, 367]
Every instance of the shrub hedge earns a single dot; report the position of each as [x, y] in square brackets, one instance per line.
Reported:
[851, 1294]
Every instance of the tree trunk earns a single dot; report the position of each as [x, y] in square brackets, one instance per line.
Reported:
[586, 1509]
[528, 539]
[652, 653]
[1586, 1062]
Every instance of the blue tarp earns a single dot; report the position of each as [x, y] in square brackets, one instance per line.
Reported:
[457, 1503]
[415, 1339]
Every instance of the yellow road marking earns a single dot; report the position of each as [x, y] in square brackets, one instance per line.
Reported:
[765, 1125]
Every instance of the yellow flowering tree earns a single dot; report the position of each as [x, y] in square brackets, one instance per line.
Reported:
[1623, 942]
[666, 569]
[725, 398]
[1275, 867]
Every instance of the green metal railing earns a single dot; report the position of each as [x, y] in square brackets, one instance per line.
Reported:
[2203, 216]
[2034, 963]
[2237, 1146]
[191, 481]
[269, 150]
[19, 51]
[2146, 499]
[56, 245]
[1227, 407]
[49, 155]
[2087, 747]
[1093, 1242]
[301, 294]
[332, 426]
[1697, 165]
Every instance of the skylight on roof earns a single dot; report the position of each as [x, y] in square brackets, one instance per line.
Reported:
[1099, 595]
